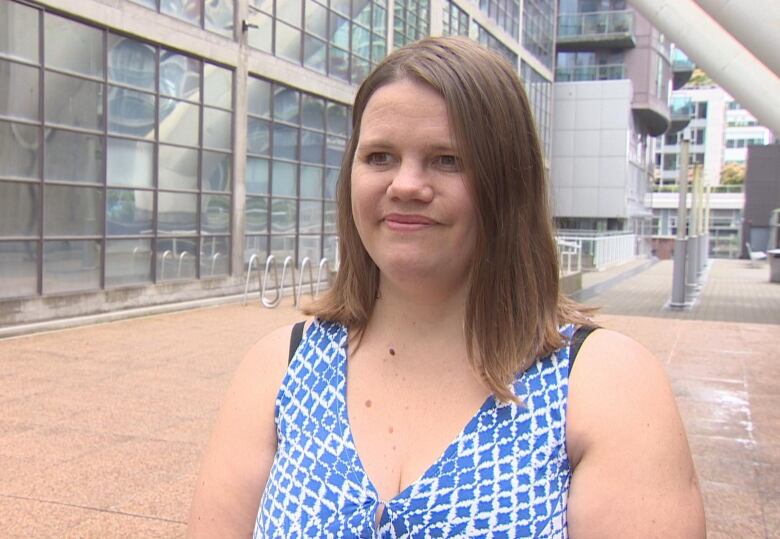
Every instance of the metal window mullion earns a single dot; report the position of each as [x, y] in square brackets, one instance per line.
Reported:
[155, 164]
[199, 204]
[42, 150]
[104, 141]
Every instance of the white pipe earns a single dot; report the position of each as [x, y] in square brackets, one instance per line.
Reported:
[716, 51]
[755, 23]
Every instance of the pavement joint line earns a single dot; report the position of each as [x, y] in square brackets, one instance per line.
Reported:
[98, 509]
[592, 291]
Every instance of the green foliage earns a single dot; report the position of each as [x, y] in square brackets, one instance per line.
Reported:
[699, 79]
[732, 174]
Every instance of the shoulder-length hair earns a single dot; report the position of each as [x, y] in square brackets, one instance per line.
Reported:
[514, 306]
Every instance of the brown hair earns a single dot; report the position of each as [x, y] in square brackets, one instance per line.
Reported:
[514, 306]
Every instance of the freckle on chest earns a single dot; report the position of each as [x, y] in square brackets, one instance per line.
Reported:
[392, 351]
[368, 403]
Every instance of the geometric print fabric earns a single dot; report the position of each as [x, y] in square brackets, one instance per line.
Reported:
[506, 474]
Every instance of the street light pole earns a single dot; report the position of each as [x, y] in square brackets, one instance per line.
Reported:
[680, 242]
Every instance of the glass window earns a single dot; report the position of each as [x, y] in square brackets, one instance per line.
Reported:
[130, 162]
[312, 146]
[361, 41]
[217, 86]
[288, 42]
[217, 169]
[178, 168]
[337, 119]
[314, 53]
[70, 266]
[255, 245]
[72, 46]
[313, 112]
[258, 140]
[215, 214]
[289, 11]
[331, 217]
[360, 69]
[286, 104]
[214, 256]
[18, 210]
[73, 157]
[179, 76]
[131, 112]
[19, 39]
[331, 181]
[284, 179]
[260, 37]
[316, 19]
[129, 212]
[362, 12]
[309, 247]
[256, 175]
[19, 260]
[19, 86]
[256, 214]
[186, 10]
[311, 182]
[131, 62]
[342, 6]
[128, 262]
[283, 216]
[72, 211]
[19, 150]
[217, 129]
[335, 150]
[219, 17]
[259, 97]
[179, 122]
[330, 250]
[339, 31]
[176, 213]
[338, 64]
[379, 24]
[176, 258]
[285, 141]
[282, 247]
[310, 216]
[73, 101]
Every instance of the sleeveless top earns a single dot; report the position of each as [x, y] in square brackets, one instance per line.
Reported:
[506, 474]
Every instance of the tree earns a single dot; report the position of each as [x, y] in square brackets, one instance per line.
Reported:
[699, 79]
[732, 174]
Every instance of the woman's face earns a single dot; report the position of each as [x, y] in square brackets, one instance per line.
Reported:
[411, 199]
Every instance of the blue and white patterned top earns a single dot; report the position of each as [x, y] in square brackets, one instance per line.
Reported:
[506, 474]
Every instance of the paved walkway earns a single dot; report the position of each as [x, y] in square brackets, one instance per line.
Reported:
[103, 426]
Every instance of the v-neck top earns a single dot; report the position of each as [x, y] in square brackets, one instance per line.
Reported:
[506, 474]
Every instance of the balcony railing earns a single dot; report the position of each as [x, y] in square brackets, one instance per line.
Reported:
[680, 62]
[681, 107]
[595, 72]
[597, 26]
[674, 188]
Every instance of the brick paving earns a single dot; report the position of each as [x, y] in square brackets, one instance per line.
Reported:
[103, 426]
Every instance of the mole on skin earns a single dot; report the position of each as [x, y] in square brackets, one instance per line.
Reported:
[368, 403]
[392, 351]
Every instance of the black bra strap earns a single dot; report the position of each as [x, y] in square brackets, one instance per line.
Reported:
[577, 339]
[295, 339]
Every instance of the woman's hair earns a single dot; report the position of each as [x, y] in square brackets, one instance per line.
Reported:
[514, 305]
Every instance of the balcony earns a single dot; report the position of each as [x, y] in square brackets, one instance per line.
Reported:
[682, 69]
[596, 30]
[681, 112]
[594, 72]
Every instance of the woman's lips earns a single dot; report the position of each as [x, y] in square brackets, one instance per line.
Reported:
[407, 222]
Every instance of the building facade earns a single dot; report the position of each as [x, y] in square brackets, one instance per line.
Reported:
[150, 148]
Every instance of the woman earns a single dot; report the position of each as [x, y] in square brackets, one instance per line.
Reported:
[433, 394]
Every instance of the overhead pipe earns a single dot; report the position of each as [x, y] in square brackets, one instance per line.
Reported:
[716, 51]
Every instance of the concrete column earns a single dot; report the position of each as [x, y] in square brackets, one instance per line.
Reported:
[239, 143]
[680, 242]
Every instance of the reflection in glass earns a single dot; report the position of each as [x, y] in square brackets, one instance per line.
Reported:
[285, 141]
[19, 86]
[256, 214]
[337, 119]
[331, 216]
[70, 266]
[73, 101]
[338, 65]
[131, 62]
[361, 12]
[260, 37]
[73, 157]
[311, 182]
[72, 211]
[255, 245]
[258, 138]
[186, 10]
[219, 17]
[282, 247]
[361, 41]
[217, 129]
[129, 212]
[310, 217]
[380, 20]
[313, 112]
[179, 122]
[178, 168]
[176, 213]
[23, 44]
[309, 246]
[217, 171]
[215, 214]
[331, 183]
[335, 150]
[214, 256]
[312, 146]
[217, 86]
[283, 216]
[316, 19]
[128, 262]
[19, 150]
[72, 46]
[330, 250]
[130, 162]
[314, 53]
[256, 175]
[179, 75]
[284, 179]
[286, 104]
[131, 112]
[288, 42]
[342, 6]
[258, 97]
[339, 31]
[360, 69]
[19, 260]
[176, 258]
[18, 210]
[378, 47]
[290, 12]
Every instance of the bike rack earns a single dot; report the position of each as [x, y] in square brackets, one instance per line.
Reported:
[162, 263]
[323, 264]
[278, 299]
[287, 265]
[181, 259]
[252, 262]
[306, 262]
[214, 262]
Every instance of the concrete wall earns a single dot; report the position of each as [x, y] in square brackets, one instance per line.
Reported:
[762, 192]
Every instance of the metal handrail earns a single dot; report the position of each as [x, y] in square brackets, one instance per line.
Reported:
[252, 261]
[306, 262]
[323, 263]
[162, 263]
[278, 299]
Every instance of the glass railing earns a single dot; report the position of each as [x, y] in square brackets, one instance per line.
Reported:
[680, 61]
[596, 24]
[596, 72]
[681, 107]
[674, 188]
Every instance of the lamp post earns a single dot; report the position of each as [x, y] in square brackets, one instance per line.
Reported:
[680, 242]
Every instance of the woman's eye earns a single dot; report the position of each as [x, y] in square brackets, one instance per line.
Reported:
[379, 159]
[449, 162]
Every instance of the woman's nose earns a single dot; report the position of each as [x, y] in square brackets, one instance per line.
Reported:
[411, 182]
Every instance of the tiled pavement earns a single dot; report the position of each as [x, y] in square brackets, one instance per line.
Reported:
[102, 427]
